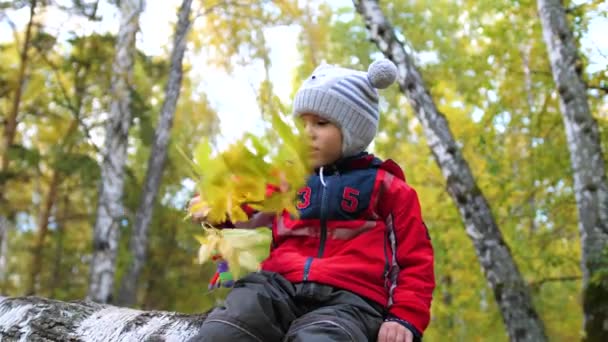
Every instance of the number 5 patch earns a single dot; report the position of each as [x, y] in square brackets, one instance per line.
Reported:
[350, 199]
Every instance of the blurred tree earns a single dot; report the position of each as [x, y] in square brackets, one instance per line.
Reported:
[156, 163]
[587, 163]
[110, 209]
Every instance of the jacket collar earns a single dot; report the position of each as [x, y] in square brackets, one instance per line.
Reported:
[361, 160]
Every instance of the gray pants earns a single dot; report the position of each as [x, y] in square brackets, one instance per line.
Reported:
[265, 307]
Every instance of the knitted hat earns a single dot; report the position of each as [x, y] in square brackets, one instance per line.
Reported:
[347, 98]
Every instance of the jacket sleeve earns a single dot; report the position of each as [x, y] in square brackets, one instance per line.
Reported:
[412, 273]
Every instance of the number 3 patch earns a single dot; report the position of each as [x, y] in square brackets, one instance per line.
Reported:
[304, 200]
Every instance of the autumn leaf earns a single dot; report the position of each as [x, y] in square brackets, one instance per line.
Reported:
[239, 175]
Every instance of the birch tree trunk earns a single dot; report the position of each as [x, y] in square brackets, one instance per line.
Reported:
[510, 290]
[110, 209]
[586, 158]
[37, 319]
[4, 228]
[156, 162]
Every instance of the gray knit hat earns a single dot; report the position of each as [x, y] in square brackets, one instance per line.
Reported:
[347, 98]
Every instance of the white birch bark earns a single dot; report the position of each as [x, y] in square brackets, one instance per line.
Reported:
[586, 158]
[110, 209]
[35, 319]
[156, 161]
[4, 227]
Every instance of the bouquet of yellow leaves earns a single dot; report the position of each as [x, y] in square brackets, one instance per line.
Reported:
[236, 247]
[239, 176]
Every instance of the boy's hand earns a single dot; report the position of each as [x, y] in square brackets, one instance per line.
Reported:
[200, 215]
[394, 332]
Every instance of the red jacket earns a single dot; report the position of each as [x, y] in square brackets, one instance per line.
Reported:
[360, 229]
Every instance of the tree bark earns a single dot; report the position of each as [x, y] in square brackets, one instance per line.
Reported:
[38, 319]
[509, 288]
[156, 162]
[110, 209]
[586, 158]
[4, 228]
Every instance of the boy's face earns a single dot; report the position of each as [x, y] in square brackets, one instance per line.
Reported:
[325, 137]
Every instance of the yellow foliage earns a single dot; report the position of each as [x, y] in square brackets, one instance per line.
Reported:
[235, 246]
[239, 175]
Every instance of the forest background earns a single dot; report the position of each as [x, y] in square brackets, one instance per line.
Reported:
[78, 78]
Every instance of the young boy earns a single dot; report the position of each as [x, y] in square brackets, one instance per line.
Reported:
[357, 265]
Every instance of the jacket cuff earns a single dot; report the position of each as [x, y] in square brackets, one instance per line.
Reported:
[410, 326]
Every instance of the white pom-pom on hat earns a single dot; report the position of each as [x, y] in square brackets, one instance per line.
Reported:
[382, 73]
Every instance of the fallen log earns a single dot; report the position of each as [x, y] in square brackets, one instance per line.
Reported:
[39, 319]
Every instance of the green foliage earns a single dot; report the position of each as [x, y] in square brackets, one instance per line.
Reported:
[26, 158]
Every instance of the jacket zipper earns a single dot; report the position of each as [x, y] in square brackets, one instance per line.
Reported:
[323, 237]
[323, 221]
[385, 274]
[307, 268]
